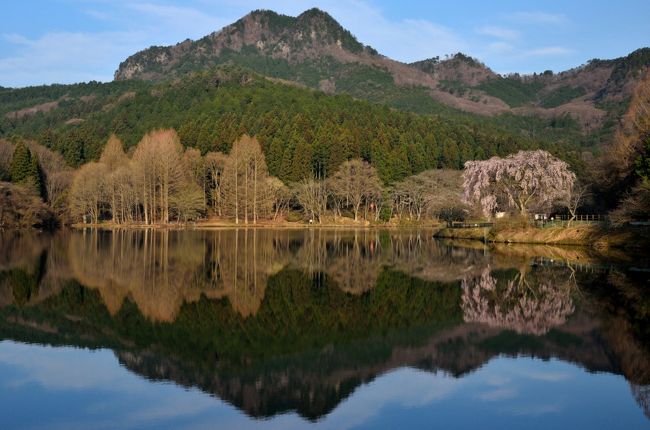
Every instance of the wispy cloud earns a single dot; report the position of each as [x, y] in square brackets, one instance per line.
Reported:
[548, 51]
[500, 48]
[497, 395]
[67, 57]
[179, 17]
[499, 32]
[536, 17]
[404, 40]
[125, 27]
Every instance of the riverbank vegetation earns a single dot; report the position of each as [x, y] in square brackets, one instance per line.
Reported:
[162, 182]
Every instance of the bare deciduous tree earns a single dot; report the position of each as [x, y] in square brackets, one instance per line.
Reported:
[575, 198]
[355, 183]
[113, 157]
[244, 181]
[429, 192]
[6, 154]
[214, 164]
[87, 191]
[312, 196]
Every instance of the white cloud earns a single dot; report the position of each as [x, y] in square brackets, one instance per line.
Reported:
[548, 51]
[191, 21]
[16, 39]
[499, 32]
[497, 395]
[536, 17]
[126, 27]
[403, 40]
[500, 48]
[67, 57]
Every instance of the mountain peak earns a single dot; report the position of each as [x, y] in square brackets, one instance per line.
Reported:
[313, 34]
[457, 67]
[315, 12]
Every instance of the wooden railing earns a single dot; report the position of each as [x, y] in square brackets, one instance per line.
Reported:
[581, 217]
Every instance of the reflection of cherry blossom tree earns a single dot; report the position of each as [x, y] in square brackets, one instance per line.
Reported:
[520, 181]
[517, 305]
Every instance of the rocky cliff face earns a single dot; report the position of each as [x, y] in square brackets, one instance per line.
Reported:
[310, 36]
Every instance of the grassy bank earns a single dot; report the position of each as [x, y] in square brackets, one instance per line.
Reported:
[585, 235]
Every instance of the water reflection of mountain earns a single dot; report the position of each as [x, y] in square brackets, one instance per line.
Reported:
[278, 320]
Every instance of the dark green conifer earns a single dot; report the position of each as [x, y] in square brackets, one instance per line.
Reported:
[20, 163]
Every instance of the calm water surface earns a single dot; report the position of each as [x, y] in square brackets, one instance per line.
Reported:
[315, 328]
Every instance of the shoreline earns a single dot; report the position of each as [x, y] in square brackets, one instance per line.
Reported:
[211, 225]
[591, 236]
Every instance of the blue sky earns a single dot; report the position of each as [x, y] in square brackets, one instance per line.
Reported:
[67, 41]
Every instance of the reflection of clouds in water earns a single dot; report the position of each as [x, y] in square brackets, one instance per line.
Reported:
[547, 376]
[408, 388]
[535, 410]
[504, 387]
[63, 368]
[497, 395]
[172, 407]
[71, 369]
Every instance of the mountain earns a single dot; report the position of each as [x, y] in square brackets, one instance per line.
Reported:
[259, 74]
[314, 50]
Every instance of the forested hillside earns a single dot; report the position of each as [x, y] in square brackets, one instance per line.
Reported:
[302, 132]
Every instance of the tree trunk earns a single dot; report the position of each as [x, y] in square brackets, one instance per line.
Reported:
[255, 192]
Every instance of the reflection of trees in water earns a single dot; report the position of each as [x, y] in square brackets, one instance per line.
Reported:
[21, 249]
[239, 263]
[161, 269]
[352, 259]
[22, 267]
[517, 304]
[157, 269]
[419, 255]
[305, 342]
[622, 296]
[641, 394]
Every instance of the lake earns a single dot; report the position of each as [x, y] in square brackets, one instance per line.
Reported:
[334, 329]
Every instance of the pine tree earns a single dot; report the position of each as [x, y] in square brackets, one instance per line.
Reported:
[204, 136]
[35, 177]
[47, 138]
[275, 155]
[20, 163]
[302, 161]
[73, 149]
